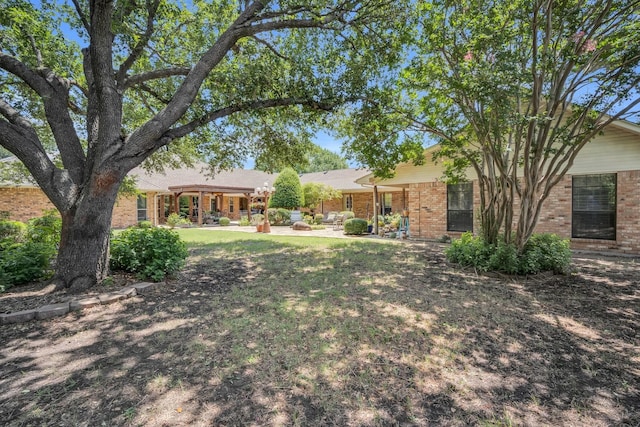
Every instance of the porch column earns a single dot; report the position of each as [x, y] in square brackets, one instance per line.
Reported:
[200, 210]
[375, 209]
[176, 202]
[248, 196]
[163, 203]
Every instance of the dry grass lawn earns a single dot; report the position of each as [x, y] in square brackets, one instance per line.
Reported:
[279, 331]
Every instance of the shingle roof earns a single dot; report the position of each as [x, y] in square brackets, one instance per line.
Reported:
[340, 179]
[199, 176]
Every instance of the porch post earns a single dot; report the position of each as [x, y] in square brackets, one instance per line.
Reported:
[375, 208]
[248, 196]
[200, 202]
[176, 202]
[163, 203]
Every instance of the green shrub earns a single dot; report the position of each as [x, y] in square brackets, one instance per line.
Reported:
[175, 220]
[244, 221]
[546, 252]
[145, 224]
[355, 226]
[504, 258]
[308, 219]
[27, 250]
[318, 218]
[543, 252]
[12, 232]
[151, 253]
[469, 251]
[224, 221]
[279, 216]
[45, 229]
[25, 262]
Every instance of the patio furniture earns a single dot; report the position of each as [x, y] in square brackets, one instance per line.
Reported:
[330, 219]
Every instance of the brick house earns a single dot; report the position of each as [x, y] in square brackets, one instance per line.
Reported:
[194, 194]
[596, 205]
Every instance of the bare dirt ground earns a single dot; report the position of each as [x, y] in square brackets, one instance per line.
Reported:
[342, 333]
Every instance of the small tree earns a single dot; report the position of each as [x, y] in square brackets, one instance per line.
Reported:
[316, 193]
[288, 193]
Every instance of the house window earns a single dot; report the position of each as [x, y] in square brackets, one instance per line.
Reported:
[594, 207]
[230, 204]
[460, 207]
[348, 202]
[142, 207]
[385, 203]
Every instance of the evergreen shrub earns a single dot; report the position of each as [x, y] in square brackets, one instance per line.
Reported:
[355, 226]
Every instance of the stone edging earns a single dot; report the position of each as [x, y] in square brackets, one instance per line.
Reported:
[60, 309]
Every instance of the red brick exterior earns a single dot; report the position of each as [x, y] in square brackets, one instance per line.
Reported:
[26, 203]
[428, 213]
[426, 202]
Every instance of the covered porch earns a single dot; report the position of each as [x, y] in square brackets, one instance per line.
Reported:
[202, 203]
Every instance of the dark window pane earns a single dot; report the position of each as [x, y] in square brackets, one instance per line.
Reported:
[594, 207]
[460, 207]
[460, 220]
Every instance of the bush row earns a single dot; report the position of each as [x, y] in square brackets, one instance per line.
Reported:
[543, 252]
[27, 251]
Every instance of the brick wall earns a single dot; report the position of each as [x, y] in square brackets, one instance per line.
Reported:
[363, 204]
[26, 203]
[23, 203]
[428, 213]
[125, 212]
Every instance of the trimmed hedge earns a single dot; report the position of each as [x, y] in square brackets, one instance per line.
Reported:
[355, 226]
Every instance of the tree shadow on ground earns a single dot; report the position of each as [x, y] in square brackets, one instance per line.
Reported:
[259, 332]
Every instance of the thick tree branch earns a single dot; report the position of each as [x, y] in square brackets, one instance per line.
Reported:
[26, 74]
[187, 128]
[251, 105]
[54, 92]
[155, 74]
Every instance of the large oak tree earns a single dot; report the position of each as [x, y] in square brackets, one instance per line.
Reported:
[154, 80]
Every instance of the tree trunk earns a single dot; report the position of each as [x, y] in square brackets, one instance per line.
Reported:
[83, 256]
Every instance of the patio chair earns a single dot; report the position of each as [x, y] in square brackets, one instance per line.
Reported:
[330, 219]
[338, 222]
